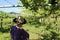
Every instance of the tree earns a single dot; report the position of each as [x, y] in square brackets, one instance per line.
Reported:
[45, 12]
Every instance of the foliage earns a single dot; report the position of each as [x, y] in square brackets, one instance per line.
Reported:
[35, 5]
[45, 16]
[43, 22]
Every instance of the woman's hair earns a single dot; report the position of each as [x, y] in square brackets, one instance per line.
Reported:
[19, 20]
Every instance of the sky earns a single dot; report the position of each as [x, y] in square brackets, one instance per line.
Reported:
[9, 2]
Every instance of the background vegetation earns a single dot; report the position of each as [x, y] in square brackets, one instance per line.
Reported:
[43, 22]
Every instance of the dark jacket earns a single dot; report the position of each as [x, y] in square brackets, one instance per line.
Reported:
[18, 34]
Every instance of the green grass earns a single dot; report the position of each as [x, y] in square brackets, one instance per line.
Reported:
[30, 29]
[5, 36]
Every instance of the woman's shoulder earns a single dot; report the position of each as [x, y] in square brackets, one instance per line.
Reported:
[12, 27]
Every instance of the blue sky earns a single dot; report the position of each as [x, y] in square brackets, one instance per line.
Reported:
[9, 2]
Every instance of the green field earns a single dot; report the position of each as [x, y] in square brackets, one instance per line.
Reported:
[33, 34]
[5, 34]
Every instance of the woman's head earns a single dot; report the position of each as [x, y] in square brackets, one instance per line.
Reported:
[19, 20]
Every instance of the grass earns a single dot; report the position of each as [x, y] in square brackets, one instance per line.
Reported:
[30, 29]
[5, 36]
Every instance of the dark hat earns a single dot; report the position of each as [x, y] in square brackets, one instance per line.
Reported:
[19, 20]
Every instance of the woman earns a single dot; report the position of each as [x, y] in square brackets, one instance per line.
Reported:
[17, 32]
